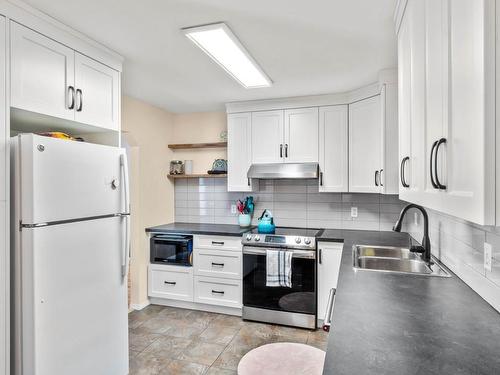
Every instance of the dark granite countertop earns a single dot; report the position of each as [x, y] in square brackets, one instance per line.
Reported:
[387, 323]
[195, 228]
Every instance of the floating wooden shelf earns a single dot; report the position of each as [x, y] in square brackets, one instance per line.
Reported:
[180, 146]
[206, 175]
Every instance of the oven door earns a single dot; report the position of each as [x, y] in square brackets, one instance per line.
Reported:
[171, 250]
[300, 298]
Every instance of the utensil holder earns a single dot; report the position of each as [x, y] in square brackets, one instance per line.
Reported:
[244, 220]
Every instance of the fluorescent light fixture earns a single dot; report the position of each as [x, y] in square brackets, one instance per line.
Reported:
[218, 41]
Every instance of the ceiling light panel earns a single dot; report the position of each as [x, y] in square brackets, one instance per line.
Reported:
[218, 41]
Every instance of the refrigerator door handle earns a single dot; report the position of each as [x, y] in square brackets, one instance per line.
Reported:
[126, 217]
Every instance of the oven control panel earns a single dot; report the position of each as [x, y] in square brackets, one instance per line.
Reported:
[273, 240]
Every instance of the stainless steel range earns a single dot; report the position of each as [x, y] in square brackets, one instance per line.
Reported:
[295, 305]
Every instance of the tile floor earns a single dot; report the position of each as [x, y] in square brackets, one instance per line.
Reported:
[167, 340]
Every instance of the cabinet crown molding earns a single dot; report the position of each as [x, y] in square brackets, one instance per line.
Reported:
[305, 101]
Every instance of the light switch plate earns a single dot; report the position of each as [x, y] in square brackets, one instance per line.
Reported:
[354, 212]
[487, 256]
[233, 208]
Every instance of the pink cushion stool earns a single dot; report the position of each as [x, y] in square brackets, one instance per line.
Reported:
[283, 358]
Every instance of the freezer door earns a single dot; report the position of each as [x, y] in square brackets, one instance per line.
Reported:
[74, 299]
[62, 180]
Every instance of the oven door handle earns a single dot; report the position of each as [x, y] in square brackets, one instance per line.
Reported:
[303, 254]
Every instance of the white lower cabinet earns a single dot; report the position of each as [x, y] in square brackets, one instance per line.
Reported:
[217, 291]
[215, 278]
[173, 282]
[329, 259]
[217, 243]
[217, 263]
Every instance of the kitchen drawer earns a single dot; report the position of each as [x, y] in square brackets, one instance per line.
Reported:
[218, 242]
[217, 263]
[217, 291]
[173, 282]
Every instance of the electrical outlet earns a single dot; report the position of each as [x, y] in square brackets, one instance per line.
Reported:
[354, 212]
[487, 256]
[233, 208]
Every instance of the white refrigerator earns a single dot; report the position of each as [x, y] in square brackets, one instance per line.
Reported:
[71, 239]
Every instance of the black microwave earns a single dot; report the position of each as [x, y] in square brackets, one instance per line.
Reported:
[171, 249]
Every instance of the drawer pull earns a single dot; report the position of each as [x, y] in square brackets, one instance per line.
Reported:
[218, 292]
[217, 264]
[170, 282]
[218, 243]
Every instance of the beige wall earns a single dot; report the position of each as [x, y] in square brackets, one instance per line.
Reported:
[147, 130]
[195, 128]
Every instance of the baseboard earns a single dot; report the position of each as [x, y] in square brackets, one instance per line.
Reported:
[196, 306]
[139, 306]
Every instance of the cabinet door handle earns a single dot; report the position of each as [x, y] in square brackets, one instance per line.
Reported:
[403, 175]
[71, 93]
[433, 182]
[281, 150]
[218, 292]
[218, 243]
[170, 282]
[376, 178]
[380, 177]
[320, 256]
[438, 183]
[286, 150]
[321, 178]
[217, 264]
[79, 98]
[248, 181]
[401, 172]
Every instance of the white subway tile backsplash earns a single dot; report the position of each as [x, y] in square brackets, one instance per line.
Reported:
[324, 197]
[292, 202]
[361, 198]
[460, 246]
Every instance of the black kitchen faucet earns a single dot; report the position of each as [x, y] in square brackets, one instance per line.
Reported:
[425, 249]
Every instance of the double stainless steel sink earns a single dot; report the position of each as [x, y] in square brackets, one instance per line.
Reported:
[394, 260]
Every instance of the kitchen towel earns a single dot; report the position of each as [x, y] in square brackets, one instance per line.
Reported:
[279, 268]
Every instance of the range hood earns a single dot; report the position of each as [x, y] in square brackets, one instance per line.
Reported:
[283, 170]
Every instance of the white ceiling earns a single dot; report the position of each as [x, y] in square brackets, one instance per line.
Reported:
[306, 47]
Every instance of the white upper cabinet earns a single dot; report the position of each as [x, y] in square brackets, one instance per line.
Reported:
[333, 149]
[301, 135]
[42, 74]
[267, 137]
[365, 145]
[239, 151]
[411, 45]
[404, 108]
[97, 96]
[4, 136]
[447, 106]
[51, 79]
